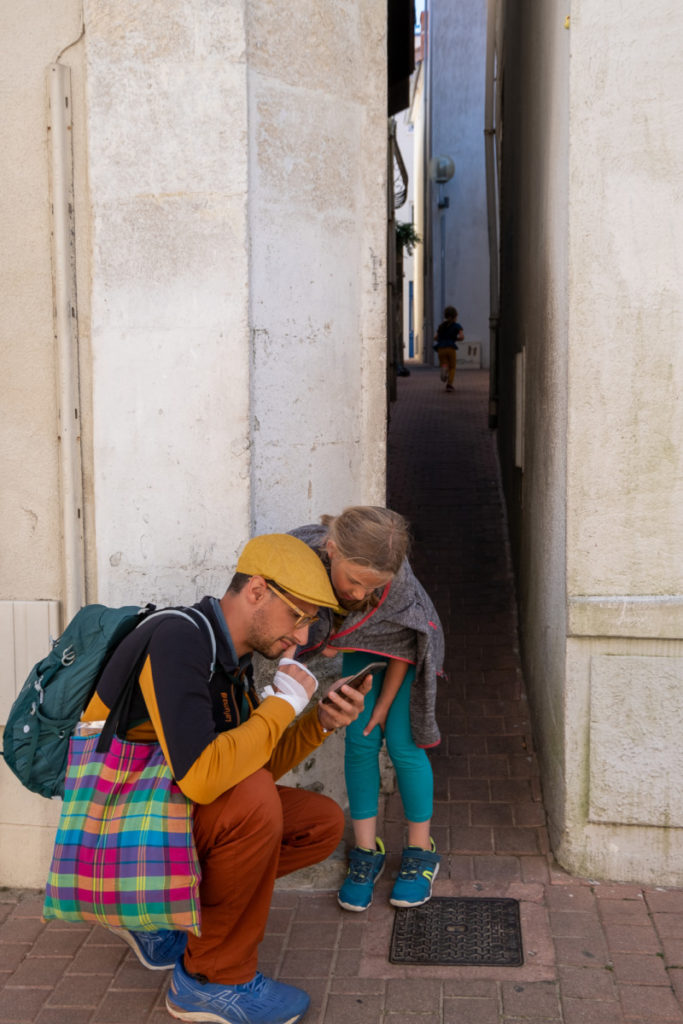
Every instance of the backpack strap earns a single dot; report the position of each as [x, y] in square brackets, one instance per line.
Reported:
[120, 709]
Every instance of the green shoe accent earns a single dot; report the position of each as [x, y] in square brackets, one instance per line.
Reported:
[365, 867]
[419, 868]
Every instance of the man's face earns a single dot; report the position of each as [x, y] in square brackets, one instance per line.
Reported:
[274, 624]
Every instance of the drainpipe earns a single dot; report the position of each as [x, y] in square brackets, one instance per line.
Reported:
[492, 206]
[66, 335]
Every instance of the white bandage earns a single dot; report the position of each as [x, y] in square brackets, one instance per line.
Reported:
[287, 688]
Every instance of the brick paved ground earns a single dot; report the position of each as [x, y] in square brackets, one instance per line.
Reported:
[594, 954]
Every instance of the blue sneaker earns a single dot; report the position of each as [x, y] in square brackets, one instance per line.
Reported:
[365, 867]
[259, 1001]
[419, 868]
[157, 951]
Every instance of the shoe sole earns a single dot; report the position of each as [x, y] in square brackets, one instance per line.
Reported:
[405, 903]
[352, 906]
[200, 1016]
[130, 941]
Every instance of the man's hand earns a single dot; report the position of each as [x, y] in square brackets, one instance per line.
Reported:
[298, 673]
[345, 707]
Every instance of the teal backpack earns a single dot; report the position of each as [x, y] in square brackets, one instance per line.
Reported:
[58, 688]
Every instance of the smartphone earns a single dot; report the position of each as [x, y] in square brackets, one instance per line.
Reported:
[355, 680]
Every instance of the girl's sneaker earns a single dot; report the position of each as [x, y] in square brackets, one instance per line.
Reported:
[365, 867]
[419, 868]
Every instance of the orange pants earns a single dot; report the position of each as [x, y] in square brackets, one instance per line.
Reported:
[248, 837]
[447, 358]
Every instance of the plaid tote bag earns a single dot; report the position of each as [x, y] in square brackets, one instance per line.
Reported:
[124, 854]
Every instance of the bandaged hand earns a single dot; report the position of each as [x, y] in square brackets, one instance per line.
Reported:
[286, 687]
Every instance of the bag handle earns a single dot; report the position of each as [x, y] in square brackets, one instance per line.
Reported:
[120, 709]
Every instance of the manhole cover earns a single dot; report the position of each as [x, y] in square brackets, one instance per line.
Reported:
[459, 931]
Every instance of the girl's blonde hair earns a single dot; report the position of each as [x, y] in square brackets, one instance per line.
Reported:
[371, 536]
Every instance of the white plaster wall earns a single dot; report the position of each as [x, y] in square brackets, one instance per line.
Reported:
[625, 467]
[535, 301]
[457, 37]
[595, 126]
[31, 564]
[168, 171]
[625, 522]
[317, 129]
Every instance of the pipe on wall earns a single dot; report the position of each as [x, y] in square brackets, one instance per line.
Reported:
[492, 203]
[66, 335]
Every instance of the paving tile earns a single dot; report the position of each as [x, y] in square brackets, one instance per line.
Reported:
[571, 897]
[124, 1007]
[414, 995]
[540, 999]
[43, 970]
[58, 1015]
[587, 983]
[580, 951]
[20, 929]
[101, 959]
[21, 1004]
[649, 1003]
[474, 1010]
[81, 990]
[638, 969]
[307, 963]
[353, 1009]
[632, 939]
[669, 925]
[664, 901]
[12, 954]
[586, 1011]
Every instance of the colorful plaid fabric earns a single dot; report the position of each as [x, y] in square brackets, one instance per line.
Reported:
[124, 853]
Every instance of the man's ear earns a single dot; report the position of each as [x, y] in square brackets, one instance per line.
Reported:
[256, 589]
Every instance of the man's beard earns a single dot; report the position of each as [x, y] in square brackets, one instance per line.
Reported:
[262, 640]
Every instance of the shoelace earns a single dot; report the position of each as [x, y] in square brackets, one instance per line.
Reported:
[360, 868]
[409, 867]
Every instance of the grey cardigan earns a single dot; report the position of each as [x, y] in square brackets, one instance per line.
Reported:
[404, 625]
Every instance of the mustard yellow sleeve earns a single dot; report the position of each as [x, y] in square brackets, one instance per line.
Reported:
[232, 755]
[303, 736]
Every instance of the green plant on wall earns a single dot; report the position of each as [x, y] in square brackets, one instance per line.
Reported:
[406, 236]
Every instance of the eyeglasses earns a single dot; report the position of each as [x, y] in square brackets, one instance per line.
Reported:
[302, 618]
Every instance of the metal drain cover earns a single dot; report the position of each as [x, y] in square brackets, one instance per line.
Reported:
[467, 932]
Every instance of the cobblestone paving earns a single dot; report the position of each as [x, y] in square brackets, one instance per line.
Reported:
[593, 953]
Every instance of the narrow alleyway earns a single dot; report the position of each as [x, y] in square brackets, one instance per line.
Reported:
[593, 953]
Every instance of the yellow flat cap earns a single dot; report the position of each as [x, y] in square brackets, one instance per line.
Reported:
[291, 564]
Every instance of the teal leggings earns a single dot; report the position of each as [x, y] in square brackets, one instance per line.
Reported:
[361, 757]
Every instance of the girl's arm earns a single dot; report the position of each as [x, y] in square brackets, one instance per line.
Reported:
[393, 678]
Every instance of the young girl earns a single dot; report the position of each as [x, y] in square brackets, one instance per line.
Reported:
[387, 616]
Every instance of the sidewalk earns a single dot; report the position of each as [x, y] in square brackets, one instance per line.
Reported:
[593, 953]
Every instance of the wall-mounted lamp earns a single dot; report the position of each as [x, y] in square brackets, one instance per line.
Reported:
[442, 170]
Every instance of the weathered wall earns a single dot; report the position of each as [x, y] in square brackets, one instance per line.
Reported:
[457, 41]
[167, 121]
[230, 164]
[533, 364]
[625, 456]
[31, 564]
[591, 267]
[317, 133]
[32, 567]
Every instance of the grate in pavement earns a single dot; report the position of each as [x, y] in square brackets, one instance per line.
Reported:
[467, 931]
